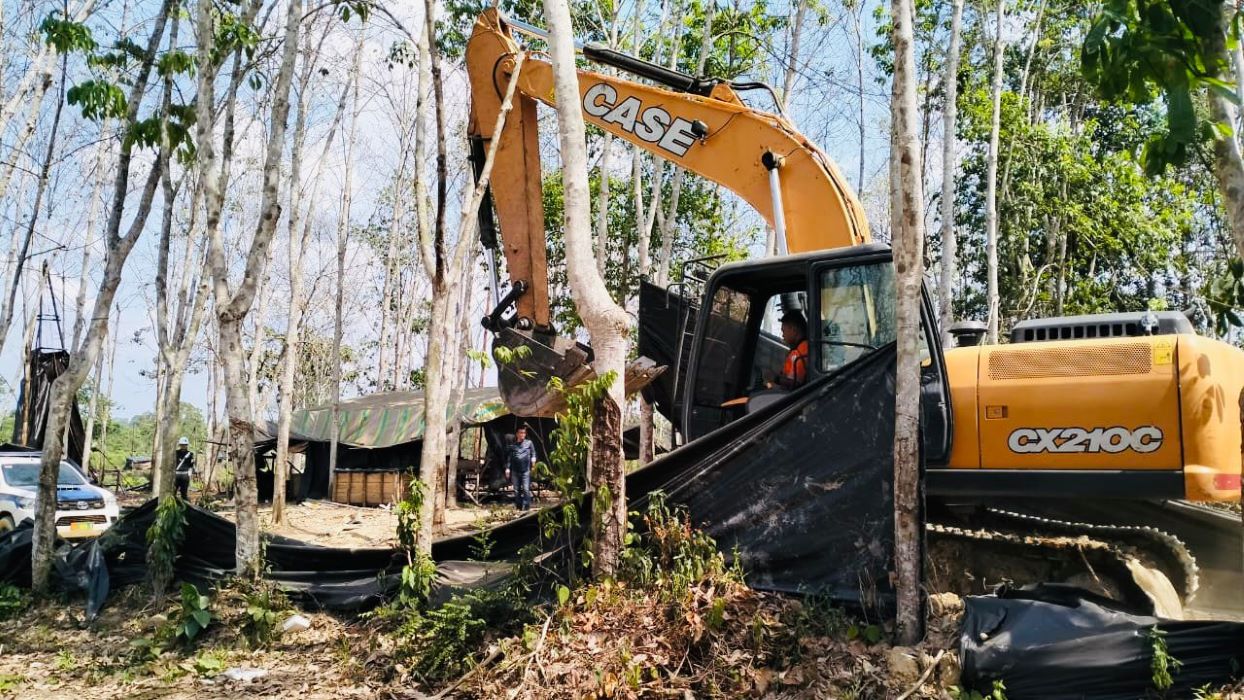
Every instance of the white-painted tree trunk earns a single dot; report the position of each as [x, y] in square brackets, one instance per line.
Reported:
[991, 180]
[908, 244]
[950, 112]
[606, 322]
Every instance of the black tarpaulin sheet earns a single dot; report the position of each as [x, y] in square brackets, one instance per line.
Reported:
[33, 403]
[805, 496]
[1051, 641]
[317, 577]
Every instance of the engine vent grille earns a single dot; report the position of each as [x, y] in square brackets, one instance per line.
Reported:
[1131, 358]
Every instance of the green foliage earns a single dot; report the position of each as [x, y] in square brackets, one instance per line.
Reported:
[194, 616]
[65, 35]
[10, 682]
[1137, 50]
[233, 34]
[1082, 229]
[98, 100]
[420, 570]
[665, 552]
[742, 37]
[567, 466]
[175, 62]
[266, 609]
[998, 692]
[1162, 664]
[13, 601]
[1225, 295]
[442, 643]
[164, 539]
[867, 633]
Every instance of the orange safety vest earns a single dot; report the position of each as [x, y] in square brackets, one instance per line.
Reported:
[795, 370]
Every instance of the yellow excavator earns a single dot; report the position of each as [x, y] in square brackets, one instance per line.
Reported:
[1108, 431]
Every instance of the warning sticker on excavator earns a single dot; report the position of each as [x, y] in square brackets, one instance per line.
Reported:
[1163, 353]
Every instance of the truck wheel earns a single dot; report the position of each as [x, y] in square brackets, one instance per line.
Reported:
[6, 524]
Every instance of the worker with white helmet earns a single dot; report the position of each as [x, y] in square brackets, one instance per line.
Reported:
[184, 461]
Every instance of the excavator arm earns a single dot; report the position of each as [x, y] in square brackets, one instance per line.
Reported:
[699, 124]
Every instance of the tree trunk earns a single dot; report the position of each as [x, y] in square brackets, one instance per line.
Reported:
[92, 219]
[41, 185]
[859, 85]
[1228, 161]
[112, 366]
[444, 271]
[991, 180]
[343, 233]
[908, 241]
[232, 308]
[255, 354]
[65, 388]
[602, 206]
[606, 322]
[669, 219]
[950, 112]
[89, 432]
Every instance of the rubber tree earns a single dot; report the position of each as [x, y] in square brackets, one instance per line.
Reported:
[233, 302]
[950, 114]
[991, 178]
[444, 261]
[64, 389]
[908, 242]
[299, 234]
[606, 322]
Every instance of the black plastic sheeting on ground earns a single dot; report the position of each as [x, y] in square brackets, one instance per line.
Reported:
[807, 500]
[316, 577]
[1052, 641]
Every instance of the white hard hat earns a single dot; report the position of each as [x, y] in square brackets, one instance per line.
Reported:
[183, 441]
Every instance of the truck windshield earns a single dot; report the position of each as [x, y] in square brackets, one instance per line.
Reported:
[26, 474]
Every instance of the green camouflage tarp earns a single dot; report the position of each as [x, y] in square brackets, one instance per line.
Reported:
[393, 418]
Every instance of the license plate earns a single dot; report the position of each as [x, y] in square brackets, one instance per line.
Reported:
[81, 527]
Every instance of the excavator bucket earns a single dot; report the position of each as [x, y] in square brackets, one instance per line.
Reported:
[527, 361]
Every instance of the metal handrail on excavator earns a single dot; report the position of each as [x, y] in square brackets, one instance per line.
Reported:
[699, 124]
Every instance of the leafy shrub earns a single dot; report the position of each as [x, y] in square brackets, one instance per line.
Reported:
[664, 551]
[442, 643]
[195, 614]
[13, 600]
[266, 609]
[164, 539]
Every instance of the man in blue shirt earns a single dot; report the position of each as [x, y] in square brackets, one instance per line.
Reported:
[519, 463]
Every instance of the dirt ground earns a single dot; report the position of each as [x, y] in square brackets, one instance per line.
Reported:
[332, 524]
[49, 652]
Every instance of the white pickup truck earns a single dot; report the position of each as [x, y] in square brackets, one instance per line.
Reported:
[82, 509]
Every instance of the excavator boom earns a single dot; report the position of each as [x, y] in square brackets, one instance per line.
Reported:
[700, 125]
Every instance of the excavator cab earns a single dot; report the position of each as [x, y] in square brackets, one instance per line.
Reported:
[847, 297]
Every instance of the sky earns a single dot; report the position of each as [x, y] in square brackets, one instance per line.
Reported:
[825, 108]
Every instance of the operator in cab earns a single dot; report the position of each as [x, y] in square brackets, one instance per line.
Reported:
[795, 368]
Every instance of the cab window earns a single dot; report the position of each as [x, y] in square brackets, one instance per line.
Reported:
[856, 313]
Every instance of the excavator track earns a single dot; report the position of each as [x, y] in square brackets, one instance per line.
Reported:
[1153, 546]
[1008, 547]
